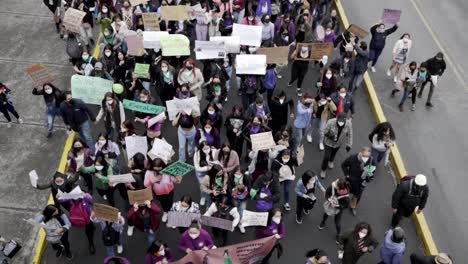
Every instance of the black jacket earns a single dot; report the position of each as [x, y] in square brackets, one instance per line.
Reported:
[273, 187]
[352, 251]
[56, 97]
[418, 259]
[435, 67]
[279, 112]
[76, 113]
[378, 39]
[407, 196]
[352, 167]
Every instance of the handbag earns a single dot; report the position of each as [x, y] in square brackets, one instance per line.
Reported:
[330, 204]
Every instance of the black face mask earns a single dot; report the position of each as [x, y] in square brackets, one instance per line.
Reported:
[189, 68]
[77, 149]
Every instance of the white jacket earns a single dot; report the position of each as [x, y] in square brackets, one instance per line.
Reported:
[399, 45]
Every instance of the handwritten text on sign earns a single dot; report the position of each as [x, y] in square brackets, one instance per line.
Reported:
[178, 168]
[106, 212]
[262, 141]
[140, 196]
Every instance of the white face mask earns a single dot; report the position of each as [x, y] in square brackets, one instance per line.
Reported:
[285, 160]
[161, 252]
[102, 141]
[276, 219]
[365, 159]
[291, 1]
[206, 151]
[237, 176]
[328, 32]
[164, 69]
[281, 101]
[362, 235]
[104, 10]
[48, 91]
[108, 53]
[207, 130]
[328, 75]
[106, 33]
[250, 18]
[323, 102]
[85, 57]
[99, 168]
[252, 50]
[341, 123]
[342, 95]
[211, 112]
[110, 102]
[193, 236]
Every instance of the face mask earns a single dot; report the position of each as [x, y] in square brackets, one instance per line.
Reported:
[143, 99]
[110, 102]
[237, 176]
[346, 60]
[323, 102]
[193, 236]
[341, 123]
[60, 183]
[106, 33]
[85, 57]
[211, 112]
[260, 106]
[206, 150]
[328, 76]
[48, 91]
[276, 219]
[207, 130]
[104, 10]
[161, 252]
[189, 68]
[328, 32]
[164, 69]
[99, 168]
[251, 50]
[285, 160]
[304, 50]
[250, 19]
[281, 101]
[108, 53]
[291, 1]
[102, 141]
[76, 149]
[342, 95]
[362, 235]
[365, 159]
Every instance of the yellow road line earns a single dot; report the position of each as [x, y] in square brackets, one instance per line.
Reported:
[447, 57]
[424, 232]
[41, 240]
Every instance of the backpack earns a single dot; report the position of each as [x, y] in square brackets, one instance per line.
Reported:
[110, 237]
[269, 81]
[74, 48]
[79, 216]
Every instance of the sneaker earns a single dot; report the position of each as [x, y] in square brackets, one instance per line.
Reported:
[287, 207]
[395, 79]
[8, 124]
[242, 229]
[130, 230]
[298, 220]
[59, 252]
[323, 174]
[413, 107]
[202, 201]
[289, 84]
[164, 217]
[20, 121]
[331, 164]
[401, 108]
[299, 92]
[337, 239]
[279, 76]
[68, 254]
[306, 211]
[104, 197]
[393, 93]
[389, 73]
[429, 104]
[225, 99]
[119, 249]
[92, 249]
[309, 138]
[321, 146]
[373, 69]
[353, 211]
[321, 227]
[49, 135]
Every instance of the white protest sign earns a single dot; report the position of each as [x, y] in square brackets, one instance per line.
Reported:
[121, 178]
[262, 141]
[136, 144]
[156, 119]
[161, 149]
[434, 79]
[250, 218]
[181, 219]
[73, 19]
[75, 194]
[33, 178]
[151, 39]
[187, 105]
[251, 64]
[205, 50]
[231, 43]
[248, 35]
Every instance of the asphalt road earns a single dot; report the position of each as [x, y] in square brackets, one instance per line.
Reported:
[31, 39]
[431, 140]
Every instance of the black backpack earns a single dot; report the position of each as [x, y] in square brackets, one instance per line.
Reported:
[110, 237]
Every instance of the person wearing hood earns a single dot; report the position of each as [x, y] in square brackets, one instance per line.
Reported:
[60, 182]
[338, 131]
[305, 191]
[358, 170]
[281, 107]
[436, 67]
[411, 193]
[377, 44]
[354, 244]
[53, 97]
[393, 247]
[400, 54]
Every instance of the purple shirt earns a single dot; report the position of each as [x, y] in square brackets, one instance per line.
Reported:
[203, 240]
[151, 259]
[271, 230]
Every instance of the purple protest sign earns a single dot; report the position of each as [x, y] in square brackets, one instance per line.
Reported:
[391, 16]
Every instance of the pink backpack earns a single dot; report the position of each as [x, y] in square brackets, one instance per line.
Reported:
[79, 216]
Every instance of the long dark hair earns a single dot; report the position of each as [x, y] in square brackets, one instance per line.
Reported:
[381, 128]
[81, 142]
[212, 174]
[203, 161]
[157, 162]
[223, 157]
[273, 212]
[139, 161]
[308, 174]
[155, 246]
[102, 160]
[363, 225]
[128, 124]
[111, 95]
[49, 211]
[104, 135]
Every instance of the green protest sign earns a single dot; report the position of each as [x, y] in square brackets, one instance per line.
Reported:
[141, 70]
[142, 107]
[178, 168]
[175, 45]
[90, 89]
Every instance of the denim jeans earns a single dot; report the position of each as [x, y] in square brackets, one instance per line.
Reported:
[186, 138]
[321, 124]
[151, 235]
[52, 112]
[110, 250]
[228, 82]
[299, 133]
[241, 206]
[286, 184]
[377, 156]
[374, 55]
[355, 82]
[202, 32]
[238, 16]
[85, 133]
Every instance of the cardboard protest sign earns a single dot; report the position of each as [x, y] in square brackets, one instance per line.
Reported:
[254, 64]
[90, 89]
[248, 35]
[106, 212]
[231, 43]
[40, 74]
[74, 194]
[140, 196]
[181, 219]
[321, 49]
[136, 144]
[73, 19]
[151, 39]
[205, 50]
[161, 149]
[135, 45]
[250, 218]
[358, 31]
[142, 107]
[197, 12]
[121, 178]
[277, 55]
[138, 2]
[141, 70]
[303, 56]
[262, 141]
[249, 252]
[391, 16]
[174, 13]
[175, 45]
[216, 222]
[187, 105]
[33, 177]
[150, 21]
[178, 168]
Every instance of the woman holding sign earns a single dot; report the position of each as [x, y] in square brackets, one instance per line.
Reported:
[145, 217]
[191, 75]
[101, 170]
[223, 209]
[164, 77]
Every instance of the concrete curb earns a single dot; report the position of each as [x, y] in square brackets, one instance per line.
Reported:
[422, 227]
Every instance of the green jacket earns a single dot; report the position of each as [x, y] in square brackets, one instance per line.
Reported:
[102, 182]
